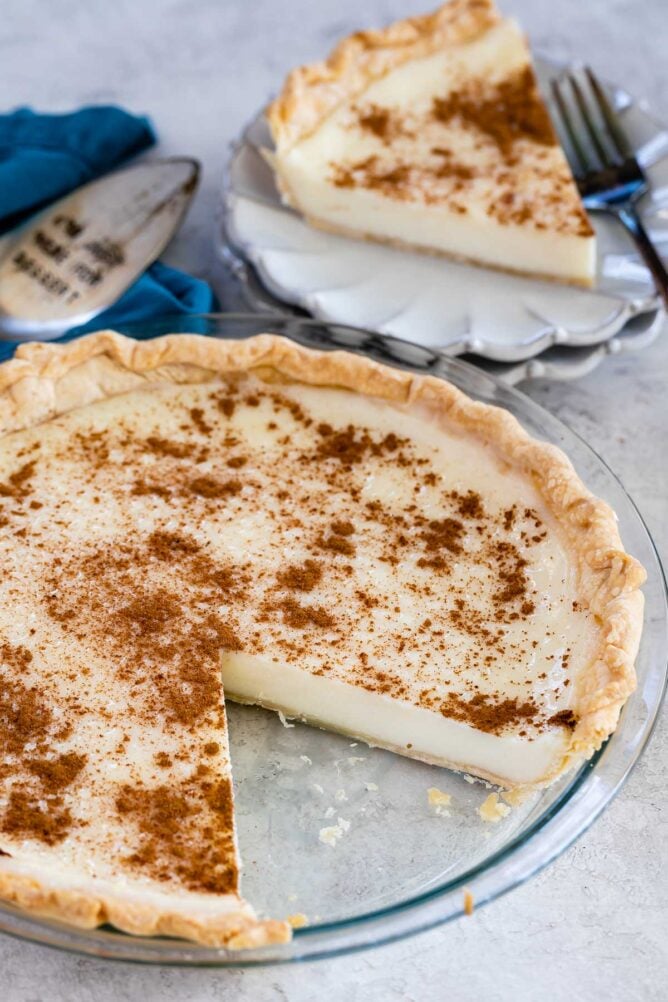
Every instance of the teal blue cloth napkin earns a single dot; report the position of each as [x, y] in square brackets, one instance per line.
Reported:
[43, 157]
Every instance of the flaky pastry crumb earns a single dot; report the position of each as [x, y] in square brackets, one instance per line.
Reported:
[492, 809]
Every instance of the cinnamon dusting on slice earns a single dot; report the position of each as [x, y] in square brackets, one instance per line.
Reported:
[197, 418]
[25, 717]
[384, 123]
[505, 112]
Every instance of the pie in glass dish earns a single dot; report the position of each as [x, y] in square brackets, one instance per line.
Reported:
[432, 134]
[185, 520]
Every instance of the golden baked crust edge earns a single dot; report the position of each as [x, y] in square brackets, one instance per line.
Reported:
[45, 380]
[237, 930]
[312, 92]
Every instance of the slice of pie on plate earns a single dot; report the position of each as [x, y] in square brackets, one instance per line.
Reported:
[432, 134]
[358, 546]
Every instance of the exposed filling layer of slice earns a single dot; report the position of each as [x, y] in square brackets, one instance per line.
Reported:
[452, 152]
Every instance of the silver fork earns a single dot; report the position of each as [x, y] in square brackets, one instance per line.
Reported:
[606, 170]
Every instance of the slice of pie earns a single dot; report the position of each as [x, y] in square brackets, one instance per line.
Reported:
[360, 547]
[432, 134]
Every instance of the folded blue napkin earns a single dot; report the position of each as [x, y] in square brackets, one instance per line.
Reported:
[43, 157]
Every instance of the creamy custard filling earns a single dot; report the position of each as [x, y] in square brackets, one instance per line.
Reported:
[108, 772]
[350, 562]
[452, 152]
[389, 723]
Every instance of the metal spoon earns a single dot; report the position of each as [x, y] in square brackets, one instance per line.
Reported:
[72, 261]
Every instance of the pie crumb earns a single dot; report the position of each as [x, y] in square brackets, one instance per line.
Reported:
[371, 787]
[283, 720]
[437, 798]
[468, 903]
[331, 834]
[440, 801]
[492, 809]
[298, 920]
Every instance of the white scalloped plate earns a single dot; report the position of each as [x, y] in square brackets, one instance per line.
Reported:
[434, 301]
[560, 362]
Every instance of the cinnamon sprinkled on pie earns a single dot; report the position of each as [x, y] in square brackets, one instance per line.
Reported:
[171, 661]
[169, 821]
[120, 596]
[349, 544]
[488, 714]
[30, 815]
[302, 577]
[57, 773]
[156, 598]
[35, 807]
[302, 616]
[362, 548]
[209, 487]
[17, 485]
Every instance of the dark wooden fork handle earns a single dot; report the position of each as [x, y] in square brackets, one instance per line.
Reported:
[628, 216]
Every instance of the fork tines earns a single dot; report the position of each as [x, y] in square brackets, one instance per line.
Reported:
[593, 137]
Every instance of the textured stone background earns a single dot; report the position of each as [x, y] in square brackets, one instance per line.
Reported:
[594, 924]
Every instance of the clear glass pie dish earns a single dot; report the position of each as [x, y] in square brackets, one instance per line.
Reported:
[399, 866]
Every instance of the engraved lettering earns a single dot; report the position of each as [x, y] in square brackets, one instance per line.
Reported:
[106, 252]
[49, 246]
[29, 266]
[70, 226]
[91, 276]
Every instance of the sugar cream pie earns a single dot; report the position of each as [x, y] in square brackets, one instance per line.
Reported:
[432, 134]
[363, 548]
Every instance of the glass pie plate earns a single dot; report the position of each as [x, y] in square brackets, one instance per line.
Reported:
[399, 866]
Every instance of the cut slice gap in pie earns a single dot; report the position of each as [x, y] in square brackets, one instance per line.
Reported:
[432, 134]
[360, 547]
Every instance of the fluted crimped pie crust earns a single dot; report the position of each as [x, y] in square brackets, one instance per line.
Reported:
[312, 92]
[44, 381]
